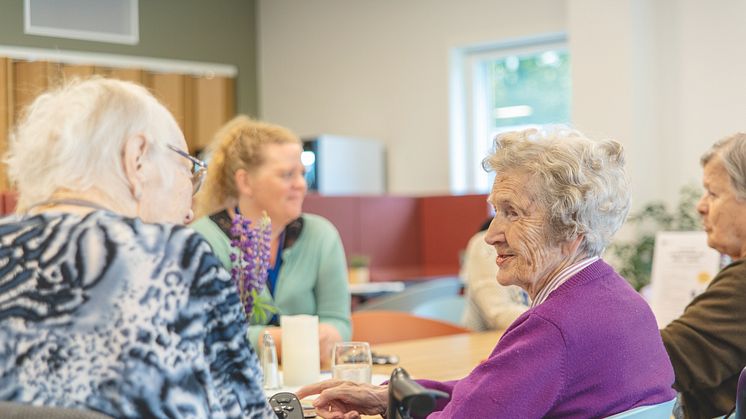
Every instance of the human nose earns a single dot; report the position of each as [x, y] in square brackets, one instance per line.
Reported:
[702, 205]
[300, 182]
[495, 232]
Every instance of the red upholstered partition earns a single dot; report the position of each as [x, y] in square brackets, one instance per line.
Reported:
[8, 201]
[448, 222]
[405, 237]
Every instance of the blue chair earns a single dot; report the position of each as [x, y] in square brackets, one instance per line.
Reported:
[656, 411]
[414, 295]
[448, 309]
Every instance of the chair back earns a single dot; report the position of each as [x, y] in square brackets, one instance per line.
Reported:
[12, 410]
[448, 309]
[393, 326]
[414, 295]
[740, 412]
[655, 411]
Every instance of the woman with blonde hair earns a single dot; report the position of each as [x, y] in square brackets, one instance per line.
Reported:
[255, 168]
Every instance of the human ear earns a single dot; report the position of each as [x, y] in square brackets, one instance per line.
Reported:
[133, 154]
[243, 180]
[571, 247]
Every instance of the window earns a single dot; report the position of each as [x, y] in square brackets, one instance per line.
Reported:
[503, 88]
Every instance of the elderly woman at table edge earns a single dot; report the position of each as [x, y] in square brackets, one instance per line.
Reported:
[255, 168]
[588, 346]
[707, 344]
[107, 303]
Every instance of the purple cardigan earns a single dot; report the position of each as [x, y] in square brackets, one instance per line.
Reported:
[592, 349]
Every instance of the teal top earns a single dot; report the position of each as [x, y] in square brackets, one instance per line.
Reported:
[312, 278]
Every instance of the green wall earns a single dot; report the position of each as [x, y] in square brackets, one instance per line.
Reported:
[214, 31]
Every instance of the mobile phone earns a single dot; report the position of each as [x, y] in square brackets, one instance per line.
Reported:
[381, 359]
[308, 410]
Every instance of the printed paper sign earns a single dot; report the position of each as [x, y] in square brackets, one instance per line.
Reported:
[683, 266]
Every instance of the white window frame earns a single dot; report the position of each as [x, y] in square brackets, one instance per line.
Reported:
[469, 139]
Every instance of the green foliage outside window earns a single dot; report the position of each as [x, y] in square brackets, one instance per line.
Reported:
[541, 81]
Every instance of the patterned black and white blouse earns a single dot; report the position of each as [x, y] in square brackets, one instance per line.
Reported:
[122, 317]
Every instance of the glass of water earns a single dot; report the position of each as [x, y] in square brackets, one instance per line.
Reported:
[352, 361]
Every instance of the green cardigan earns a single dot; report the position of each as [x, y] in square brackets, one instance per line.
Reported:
[707, 344]
[312, 278]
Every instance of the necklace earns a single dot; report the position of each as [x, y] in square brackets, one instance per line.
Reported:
[67, 201]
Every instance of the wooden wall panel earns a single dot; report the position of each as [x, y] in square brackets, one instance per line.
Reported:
[199, 104]
[130, 74]
[68, 72]
[29, 79]
[190, 109]
[169, 89]
[214, 101]
[5, 115]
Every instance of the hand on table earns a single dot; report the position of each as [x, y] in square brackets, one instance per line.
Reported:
[346, 400]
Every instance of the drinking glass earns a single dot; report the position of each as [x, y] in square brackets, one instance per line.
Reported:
[352, 361]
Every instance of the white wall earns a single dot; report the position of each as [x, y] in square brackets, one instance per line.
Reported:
[665, 77]
[704, 74]
[379, 69]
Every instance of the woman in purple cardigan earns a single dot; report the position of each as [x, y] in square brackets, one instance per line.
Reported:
[588, 346]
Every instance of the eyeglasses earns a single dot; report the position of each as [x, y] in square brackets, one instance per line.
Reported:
[199, 168]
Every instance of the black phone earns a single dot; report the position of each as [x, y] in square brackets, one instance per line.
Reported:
[381, 359]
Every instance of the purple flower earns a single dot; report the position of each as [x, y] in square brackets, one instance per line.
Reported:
[251, 260]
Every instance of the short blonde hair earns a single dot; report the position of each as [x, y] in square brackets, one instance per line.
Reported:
[239, 144]
[581, 183]
[72, 138]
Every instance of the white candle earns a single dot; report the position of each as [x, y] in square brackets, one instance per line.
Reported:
[300, 349]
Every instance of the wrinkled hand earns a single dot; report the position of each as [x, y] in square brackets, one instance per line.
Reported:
[328, 336]
[346, 400]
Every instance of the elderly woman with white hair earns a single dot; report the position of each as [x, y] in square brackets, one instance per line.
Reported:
[588, 346]
[707, 344]
[107, 302]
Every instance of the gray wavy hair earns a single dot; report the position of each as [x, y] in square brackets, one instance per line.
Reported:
[732, 151]
[581, 183]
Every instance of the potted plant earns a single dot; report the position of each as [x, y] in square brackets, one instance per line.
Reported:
[359, 269]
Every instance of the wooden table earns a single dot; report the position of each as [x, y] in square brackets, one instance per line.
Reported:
[440, 358]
